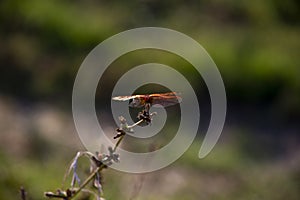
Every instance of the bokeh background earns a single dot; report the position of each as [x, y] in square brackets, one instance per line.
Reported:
[255, 44]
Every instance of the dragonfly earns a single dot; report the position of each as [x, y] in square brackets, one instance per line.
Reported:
[142, 100]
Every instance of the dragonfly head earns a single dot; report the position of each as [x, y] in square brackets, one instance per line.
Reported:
[136, 103]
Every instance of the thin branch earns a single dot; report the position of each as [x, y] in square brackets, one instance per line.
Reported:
[98, 169]
[100, 164]
[135, 124]
[118, 142]
[87, 180]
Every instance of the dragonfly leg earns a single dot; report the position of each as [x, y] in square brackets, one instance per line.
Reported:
[145, 114]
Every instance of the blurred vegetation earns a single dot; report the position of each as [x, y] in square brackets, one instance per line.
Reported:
[255, 45]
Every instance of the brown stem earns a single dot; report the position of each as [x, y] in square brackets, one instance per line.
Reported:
[98, 169]
[87, 180]
[93, 174]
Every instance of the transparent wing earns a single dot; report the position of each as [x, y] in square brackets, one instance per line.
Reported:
[124, 98]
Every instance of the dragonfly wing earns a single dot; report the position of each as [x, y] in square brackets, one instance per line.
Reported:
[135, 101]
[165, 94]
[123, 98]
[166, 99]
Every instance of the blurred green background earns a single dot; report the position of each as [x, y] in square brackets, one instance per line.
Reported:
[255, 44]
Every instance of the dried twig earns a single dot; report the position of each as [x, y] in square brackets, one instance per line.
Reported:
[99, 161]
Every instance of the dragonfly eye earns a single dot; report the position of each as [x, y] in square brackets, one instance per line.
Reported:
[130, 102]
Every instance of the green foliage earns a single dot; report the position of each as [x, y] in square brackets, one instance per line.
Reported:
[255, 45]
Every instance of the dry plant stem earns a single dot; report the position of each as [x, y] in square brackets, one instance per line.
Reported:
[75, 191]
[121, 138]
[135, 124]
[98, 169]
[87, 180]
[119, 142]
